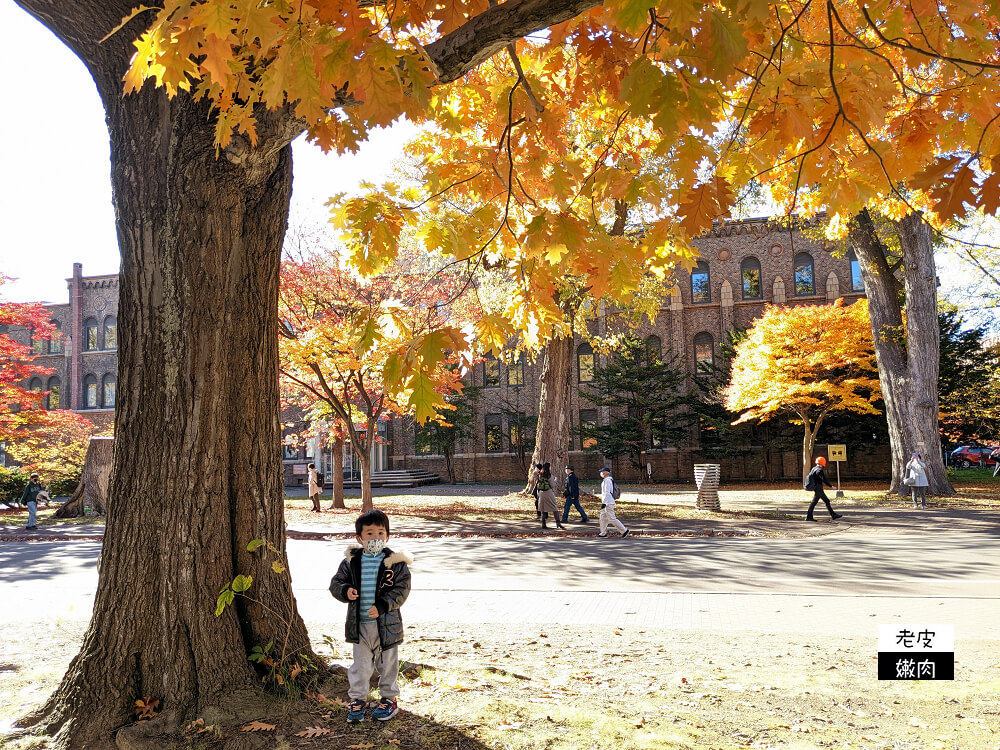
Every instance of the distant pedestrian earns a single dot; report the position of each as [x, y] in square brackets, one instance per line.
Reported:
[915, 476]
[29, 498]
[815, 481]
[315, 488]
[533, 483]
[547, 496]
[995, 455]
[608, 492]
[571, 491]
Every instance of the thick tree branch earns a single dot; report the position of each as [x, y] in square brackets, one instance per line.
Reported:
[456, 53]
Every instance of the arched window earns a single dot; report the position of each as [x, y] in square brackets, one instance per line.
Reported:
[515, 372]
[108, 383]
[90, 335]
[111, 332]
[701, 283]
[52, 400]
[585, 363]
[704, 352]
[750, 276]
[805, 283]
[35, 385]
[90, 392]
[56, 342]
[857, 280]
[654, 349]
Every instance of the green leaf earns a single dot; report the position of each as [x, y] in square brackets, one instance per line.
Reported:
[226, 597]
[254, 544]
[277, 567]
[241, 583]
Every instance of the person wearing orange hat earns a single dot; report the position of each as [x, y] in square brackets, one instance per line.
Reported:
[815, 481]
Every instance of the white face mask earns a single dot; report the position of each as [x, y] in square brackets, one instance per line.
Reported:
[374, 546]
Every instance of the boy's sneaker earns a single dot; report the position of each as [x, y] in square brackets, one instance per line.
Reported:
[626, 533]
[386, 710]
[603, 535]
[355, 712]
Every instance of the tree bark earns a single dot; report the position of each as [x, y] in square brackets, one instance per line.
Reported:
[552, 434]
[809, 433]
[908, 354]
[365, 459]
[449, 466]
[338, 474]
[196, 472]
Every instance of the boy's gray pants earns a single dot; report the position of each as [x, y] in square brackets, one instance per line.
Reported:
[32, 509]
[369, 657]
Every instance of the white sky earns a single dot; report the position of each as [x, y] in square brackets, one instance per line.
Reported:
[55, 189]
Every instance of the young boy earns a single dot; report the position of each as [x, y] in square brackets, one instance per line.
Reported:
[374, 581]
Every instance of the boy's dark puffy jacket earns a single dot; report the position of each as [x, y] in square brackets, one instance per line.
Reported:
[391, 589]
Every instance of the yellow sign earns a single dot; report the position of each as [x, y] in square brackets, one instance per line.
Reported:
[837, 452]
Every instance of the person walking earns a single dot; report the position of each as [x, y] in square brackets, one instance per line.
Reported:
[315, 488]
[533, 483]
[915, 475]
[571, 491]
[995, 455]
[29, 498]
[608, 492]
[547, 496]
[815, 481]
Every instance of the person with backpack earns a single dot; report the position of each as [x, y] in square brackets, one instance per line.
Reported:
[815, 481]
[315, 487]
[610, 493]
[547, 496]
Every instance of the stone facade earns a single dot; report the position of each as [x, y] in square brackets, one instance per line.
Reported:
[743, 267]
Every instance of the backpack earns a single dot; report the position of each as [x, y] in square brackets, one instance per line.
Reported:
[320, 480]
[543, 484]
[615, 492]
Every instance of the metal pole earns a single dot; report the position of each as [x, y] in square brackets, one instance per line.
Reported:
[839, 491]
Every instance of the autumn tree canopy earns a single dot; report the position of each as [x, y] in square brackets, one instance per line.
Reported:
[805, 362]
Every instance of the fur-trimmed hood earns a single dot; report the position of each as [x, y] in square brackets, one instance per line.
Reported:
[391, 557]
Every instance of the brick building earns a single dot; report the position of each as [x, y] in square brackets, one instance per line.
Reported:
[744, 266]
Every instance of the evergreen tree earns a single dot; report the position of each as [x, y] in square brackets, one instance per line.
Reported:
[445, 435]
[968, 382]
[648, 397]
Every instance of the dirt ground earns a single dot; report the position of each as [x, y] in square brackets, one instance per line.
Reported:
[514, 687]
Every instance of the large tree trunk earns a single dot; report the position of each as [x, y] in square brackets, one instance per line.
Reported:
[93, 487]
[908, 355]
[196, 472]
[338, 474]
[552, 433]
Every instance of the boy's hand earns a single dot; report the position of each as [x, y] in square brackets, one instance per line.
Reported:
[352, 594]
[373, 612]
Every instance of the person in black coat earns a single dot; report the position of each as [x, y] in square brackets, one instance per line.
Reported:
[815, 482]
[571, 491]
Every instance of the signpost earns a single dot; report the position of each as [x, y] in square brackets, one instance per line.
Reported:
[837, 453]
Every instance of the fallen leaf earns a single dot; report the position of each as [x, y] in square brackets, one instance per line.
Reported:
[259, 726]
[362, 746]
[313, 732]
[395, 742]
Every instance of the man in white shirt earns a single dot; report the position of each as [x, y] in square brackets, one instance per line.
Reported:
[608, 505]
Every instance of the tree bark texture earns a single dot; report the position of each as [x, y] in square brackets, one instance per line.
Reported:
[93, 487]
[809, 432]
[907, 352]
[552, 433]
[196, 472]
[338, 474]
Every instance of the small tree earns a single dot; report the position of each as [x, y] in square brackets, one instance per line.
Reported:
[650, 406]
[363, 350]
[445, 433]
[805, 362]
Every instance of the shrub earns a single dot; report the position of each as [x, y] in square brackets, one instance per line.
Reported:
[12, 484]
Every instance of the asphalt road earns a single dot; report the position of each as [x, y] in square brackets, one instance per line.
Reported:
[826, 584]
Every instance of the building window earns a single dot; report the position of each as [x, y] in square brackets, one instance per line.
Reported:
[35, 385]
[654, 350]
[750, 275]
[515, 373]
[108, 384]
[804, 282]
[494, 433]
[56, 343]
[585, 363]
[90, 392]
[37, 344]
[426, 440]
[90, 335]
[521, 428]
[857, 280]
[704, 352]
[52, 400]
[110, 333]
[701, 283]
[491, 372]
[588, 421]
